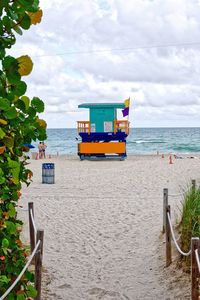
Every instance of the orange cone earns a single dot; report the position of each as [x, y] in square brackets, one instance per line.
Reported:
[170, 160]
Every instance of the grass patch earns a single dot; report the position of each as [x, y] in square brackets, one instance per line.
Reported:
[189, 225]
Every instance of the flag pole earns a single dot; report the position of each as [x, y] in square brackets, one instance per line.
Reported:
[129, 109]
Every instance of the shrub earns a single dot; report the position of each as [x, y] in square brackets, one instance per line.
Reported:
[190, 221]
[19, 125]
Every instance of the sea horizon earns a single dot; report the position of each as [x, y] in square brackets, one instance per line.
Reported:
[132, 127]
[141, 140]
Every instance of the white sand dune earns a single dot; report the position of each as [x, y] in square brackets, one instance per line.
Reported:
[102, 222]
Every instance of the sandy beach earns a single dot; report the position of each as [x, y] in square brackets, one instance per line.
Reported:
[102, 223]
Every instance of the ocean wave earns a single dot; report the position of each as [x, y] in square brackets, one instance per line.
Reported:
[145, 142]
[186, 148]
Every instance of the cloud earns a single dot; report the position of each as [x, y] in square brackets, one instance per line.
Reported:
[110, 50]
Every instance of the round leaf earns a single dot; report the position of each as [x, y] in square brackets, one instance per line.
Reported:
[25, 65]
[11, 113]
[20, 88]
[5, 243]
[42, 123]
[26, 101]
[37, 104]
[8, 141]
[25, 22]
[4, 104]
[36, 16]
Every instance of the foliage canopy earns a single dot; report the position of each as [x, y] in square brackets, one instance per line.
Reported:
[19, 125]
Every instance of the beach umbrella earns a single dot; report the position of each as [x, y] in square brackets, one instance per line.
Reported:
[29, 146]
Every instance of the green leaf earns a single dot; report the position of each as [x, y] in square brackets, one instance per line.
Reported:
[4, 251]
[21, 117]
[11, 211]
[20, 105]
[2, 133]
[11, 227]
[13, 76]
[25, 22]
[20, 88]
[4, 279]
[30, 276]
[37, 104]
[10, 65]
[26, 101]
[31, 291]
[1, 27]
[12, 14]
[9, 61]
[5, 243]
[32, 112]
[11, 296]
[7, 23]
[11, 113]
[15, 168]
[35, 6]
[2, 177]
[26, 3]
[21, 297]
[8, 141]
[4, 104]
[11, 96]
[2, 53]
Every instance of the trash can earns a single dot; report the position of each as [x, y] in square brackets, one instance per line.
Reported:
[48, 173]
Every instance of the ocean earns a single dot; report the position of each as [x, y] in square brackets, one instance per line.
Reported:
[139, 141]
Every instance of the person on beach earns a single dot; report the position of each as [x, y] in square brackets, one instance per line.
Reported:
[40, 149]
[43, 150]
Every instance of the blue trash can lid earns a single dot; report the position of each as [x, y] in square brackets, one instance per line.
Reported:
[48, 166]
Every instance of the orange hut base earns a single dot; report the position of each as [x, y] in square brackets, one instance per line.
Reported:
[102, 148]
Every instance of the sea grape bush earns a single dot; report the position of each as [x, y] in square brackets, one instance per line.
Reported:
[19, 125]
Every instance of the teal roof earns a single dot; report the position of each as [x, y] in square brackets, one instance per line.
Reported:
[101, 105]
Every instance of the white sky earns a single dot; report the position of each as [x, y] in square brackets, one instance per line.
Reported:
[112, 49]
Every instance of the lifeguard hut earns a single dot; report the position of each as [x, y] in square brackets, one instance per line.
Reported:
[103, 136]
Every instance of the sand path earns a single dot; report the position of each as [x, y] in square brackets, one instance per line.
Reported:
[102, 222]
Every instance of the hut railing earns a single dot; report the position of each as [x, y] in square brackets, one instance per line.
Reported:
[121, 125]
[84, 126]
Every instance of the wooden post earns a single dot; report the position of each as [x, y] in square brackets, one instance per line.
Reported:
[193, 184]
[168, 238]
[31, 228]
[194, 270]
[165, 204]
[38, 264]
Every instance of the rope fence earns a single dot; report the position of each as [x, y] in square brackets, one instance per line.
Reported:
[33, 221]
[175, 195]
[197, 259]
[36, 243]
[193, 251]
[175, 240]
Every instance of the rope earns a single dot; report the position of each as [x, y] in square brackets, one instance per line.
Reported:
[174, 239]
[33, 221]
[175, 195]
[22, 272]
[197, 259]
[23, 209]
